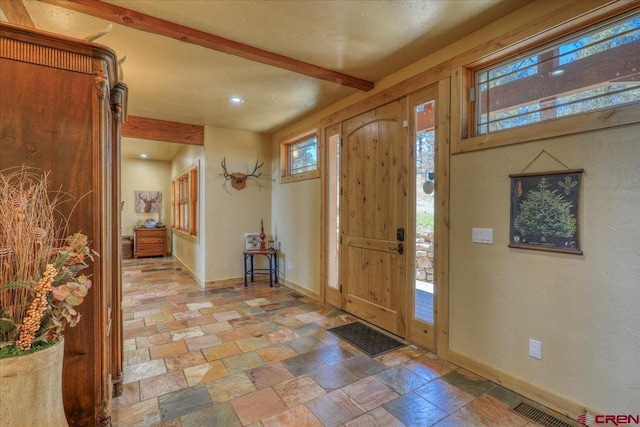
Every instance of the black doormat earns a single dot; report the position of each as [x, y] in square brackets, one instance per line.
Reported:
[370, 341]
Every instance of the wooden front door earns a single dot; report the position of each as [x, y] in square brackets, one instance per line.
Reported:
[373, 217]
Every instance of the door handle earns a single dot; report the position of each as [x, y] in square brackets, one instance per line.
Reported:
[399, 249]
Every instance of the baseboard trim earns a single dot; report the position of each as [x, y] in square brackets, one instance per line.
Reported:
[188, 270]
[224, 283]
[531, 391]
[304, 291]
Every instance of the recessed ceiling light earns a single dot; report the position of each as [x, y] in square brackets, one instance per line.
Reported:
[144, 156]
[236, 100]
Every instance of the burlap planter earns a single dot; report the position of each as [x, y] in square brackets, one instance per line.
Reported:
[31, 389]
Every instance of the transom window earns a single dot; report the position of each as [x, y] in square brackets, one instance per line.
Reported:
[303, 156]
[299, 158]
[590, 71]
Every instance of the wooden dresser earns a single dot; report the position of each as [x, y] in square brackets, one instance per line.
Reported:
[149, 242]
[61, 111]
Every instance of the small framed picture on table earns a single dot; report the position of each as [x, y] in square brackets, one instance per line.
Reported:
[252, 241]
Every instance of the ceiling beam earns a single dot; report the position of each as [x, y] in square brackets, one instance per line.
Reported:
[162, 130]
[16, 13]
[150, 24]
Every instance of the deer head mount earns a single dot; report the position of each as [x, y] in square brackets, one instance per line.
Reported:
[239, 180]
[149, 201]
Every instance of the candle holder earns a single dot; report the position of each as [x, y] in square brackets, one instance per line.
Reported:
[262, 236]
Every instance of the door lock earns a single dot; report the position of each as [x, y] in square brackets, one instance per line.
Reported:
[400, 234]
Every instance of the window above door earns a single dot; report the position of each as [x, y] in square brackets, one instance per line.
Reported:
[584, 77]
[299, 158]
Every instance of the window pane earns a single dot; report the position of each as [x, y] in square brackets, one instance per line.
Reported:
[592, 71]
[425, 140]
[303, 156]
[185, 189]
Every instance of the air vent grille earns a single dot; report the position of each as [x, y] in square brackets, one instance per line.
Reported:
[540, 416]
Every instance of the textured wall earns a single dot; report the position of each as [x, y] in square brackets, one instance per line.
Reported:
[583, 308]
[296, 226]
[229, 214]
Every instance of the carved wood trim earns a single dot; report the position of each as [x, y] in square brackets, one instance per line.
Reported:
[119, 102]
[100, 79]
[42, 55]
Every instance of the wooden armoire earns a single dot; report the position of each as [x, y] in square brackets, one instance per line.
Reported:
[61, 109]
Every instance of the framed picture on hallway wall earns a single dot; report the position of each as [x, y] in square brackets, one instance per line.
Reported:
[148, 201]
[544, 211]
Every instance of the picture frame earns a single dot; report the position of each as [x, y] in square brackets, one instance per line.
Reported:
[148, 201]
[252, 241]
[544, 211]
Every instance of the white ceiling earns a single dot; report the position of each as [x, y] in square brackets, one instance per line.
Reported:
[176, 81]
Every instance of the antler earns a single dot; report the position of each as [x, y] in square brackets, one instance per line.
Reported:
[238, 179]
[97, 35]
[255, 169]
[224, 167]
[155, 197]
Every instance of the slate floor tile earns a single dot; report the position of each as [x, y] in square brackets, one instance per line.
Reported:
[218, 414]
[182, 402]
[334, 409]
[414, 411]
[261, 357]
[469, 382]
[401, 379]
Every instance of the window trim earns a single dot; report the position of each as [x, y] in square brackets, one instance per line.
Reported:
[285, 174]
[191, 202]
[595, 120]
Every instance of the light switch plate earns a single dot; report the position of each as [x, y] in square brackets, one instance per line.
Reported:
[482, 235]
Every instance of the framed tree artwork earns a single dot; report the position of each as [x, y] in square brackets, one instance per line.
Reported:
[544, 211]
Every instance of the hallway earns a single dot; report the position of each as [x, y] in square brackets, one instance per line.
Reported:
[263, 357]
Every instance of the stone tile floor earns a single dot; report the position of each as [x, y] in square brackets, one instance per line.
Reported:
[262, 356]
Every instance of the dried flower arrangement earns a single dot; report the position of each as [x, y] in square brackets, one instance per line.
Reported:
[40, 280]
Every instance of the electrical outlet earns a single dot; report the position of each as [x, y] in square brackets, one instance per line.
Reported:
[535, 349]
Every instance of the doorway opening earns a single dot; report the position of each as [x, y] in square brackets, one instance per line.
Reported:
[385, 217]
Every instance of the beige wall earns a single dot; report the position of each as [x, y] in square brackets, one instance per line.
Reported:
[580, 307]
[225, 213]
[145, 175]
[231, 213]
[296, 227]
